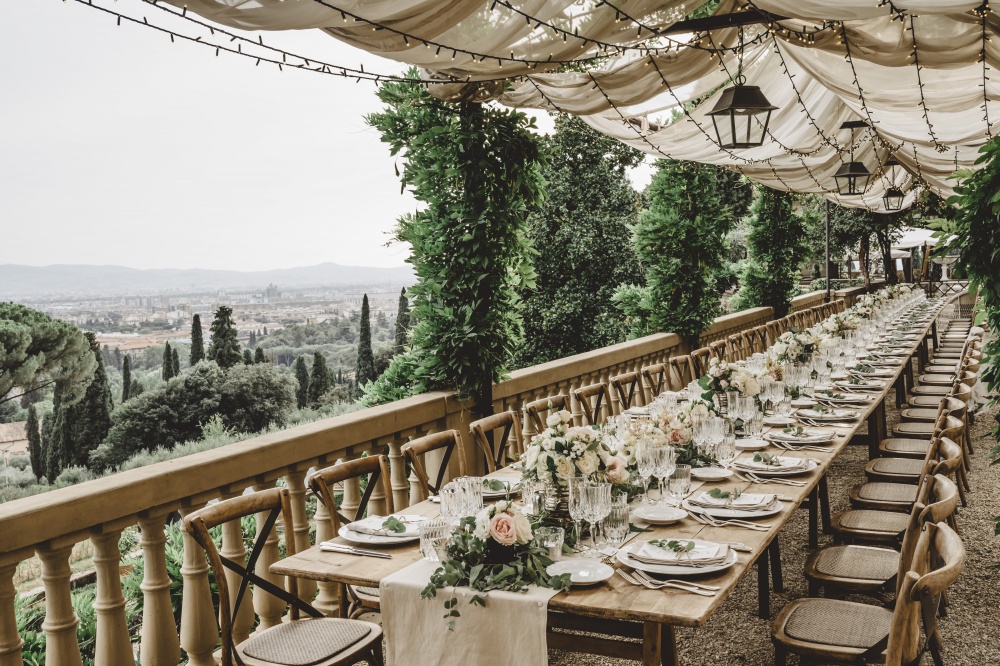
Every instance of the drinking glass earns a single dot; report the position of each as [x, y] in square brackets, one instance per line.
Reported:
[451, 502]
[532, 495]
[577, 508]
[784, 407]
[616, 526]
[725, 450]
[471, 494]
[715, 432]
[664, 461]
[434, 537]
[645, 466]
[754, 425]
[680, 483]
[551, 539]
[598, 507]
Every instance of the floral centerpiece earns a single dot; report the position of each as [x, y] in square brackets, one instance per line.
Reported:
[724, 376]
[669, 427]
[562, 451]
[794, 346]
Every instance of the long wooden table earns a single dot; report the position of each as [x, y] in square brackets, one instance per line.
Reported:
[619, 609]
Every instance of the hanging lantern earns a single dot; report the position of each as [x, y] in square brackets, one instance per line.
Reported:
[893, 198]
[852, 178]
[741, 116]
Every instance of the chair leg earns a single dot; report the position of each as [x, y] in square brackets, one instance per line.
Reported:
[961, 489]
[780, 655]
[824, 504]
[376, 655]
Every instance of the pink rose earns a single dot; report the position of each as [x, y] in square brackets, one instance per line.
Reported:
[617, 471]
[502, 529]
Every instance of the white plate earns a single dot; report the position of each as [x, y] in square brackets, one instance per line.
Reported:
[803, 402]
[778, 420]
[711, 473]
[751, 444]
[733, 513]
[810, 466]
[581, 571]
[832, 415]
[876, 372]
[659, 514]
[363, 539]
[670, 569]
[499, 494]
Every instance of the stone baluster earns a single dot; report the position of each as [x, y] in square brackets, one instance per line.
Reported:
[10, 641]
[351, 498]
[158, 643]
[376, 502]
[328, 599]
[61, 647]
[199, 631]
[113, 646]
[397, 473]
[416, 493]
[233, 548]
[296, 482]
[267, 607]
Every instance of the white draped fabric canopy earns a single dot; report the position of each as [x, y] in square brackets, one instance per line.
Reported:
[918, 72]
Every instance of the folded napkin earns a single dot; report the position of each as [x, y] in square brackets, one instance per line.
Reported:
[704, 554]
[832, 415]
[809, 436]
[373, 525]
[785, 464]
[745, 502]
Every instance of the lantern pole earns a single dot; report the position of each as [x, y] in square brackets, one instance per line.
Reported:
[827, 300]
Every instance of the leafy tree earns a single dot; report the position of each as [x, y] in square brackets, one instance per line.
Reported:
[302, 376]
[365, 368]
[35, 444]
[167, 369]
[254, 397]
[224, 348]
[477, 172]
[136, 388]
[679, 239]
[383, 357]
[776, 242]
[319, 382]
[84, 424]
[402, 321]
[126, 378]
[583, 243]
[258, 355]
[197, 341]
[247, 357]
[37, 351]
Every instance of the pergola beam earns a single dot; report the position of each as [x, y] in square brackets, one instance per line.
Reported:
[749, 17]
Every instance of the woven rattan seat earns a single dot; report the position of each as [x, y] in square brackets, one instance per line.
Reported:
[306, 642]
[919, 414]
[936, 380]
[931, 390]
[890, 522]
[857, 562]
[931, 401]
[368, 592]
[905, 445]
[913, 430]
[834, 622]
[887, 492]
[903, 466]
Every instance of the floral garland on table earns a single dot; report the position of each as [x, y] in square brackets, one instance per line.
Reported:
[562, 451]
[493, 550]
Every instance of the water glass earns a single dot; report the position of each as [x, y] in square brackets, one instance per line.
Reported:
[784, 407]
[532, 495]
[434, 537]
[615, 527]
[551, 539]
[680, 483]
[451, 502]
[725, 450]
[577, 507]
[753, 425]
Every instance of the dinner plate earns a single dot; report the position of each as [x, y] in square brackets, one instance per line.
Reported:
[722, 512]
[670, 569]
[498, 494]
[363, 539]
[803, 402]
[711, 473]
[778, 420]
[876, 372]
[810, 466]
[581, 571]
[751, 444]
[659, 514]
[831, 415]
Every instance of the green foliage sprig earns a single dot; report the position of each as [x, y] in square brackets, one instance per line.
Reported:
[679, 547]
[768, 459]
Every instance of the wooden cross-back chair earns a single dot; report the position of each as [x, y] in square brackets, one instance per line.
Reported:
[506, 424]
[657, 378]
[537, 408]
[699, 361]
[844, 632]
[450, 442]
[773, 332]
[354, 601]
[718, 349]
[628, 387]
[317, 640]
[735, 349]
[592, 399]
[944, 458]
[683, 371]
[818, 314]
[758, 339]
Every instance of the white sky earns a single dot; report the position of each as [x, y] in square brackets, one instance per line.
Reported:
[118, 147]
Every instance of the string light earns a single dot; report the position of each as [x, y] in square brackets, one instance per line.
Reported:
[938, 146]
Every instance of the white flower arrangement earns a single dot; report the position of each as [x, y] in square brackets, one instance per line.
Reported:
[794, 347]
[562, 451]
[725, 376]
[503, 523]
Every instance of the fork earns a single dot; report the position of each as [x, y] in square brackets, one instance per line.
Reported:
[711, 521]
[659, 585]
[805, 447]
[642, 575]
[784, 482]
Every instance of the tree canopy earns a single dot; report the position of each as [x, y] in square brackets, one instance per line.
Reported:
[224, 348]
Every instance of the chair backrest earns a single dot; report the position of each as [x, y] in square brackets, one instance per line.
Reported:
[734, 347]
[273, 502]
[592, 398]
[450, 441]
[323, 481]
[628, 387]
[949, 458]
[773, 332]
[699, 361]
[537, 408]
[657, 378]
[683, 371]
[484, 434]
[943, 498]
[758, 339]
[719, 349]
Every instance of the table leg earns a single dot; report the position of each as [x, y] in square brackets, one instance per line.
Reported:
[659, 645]
[763, 588]
[774, 553]
[814, 518]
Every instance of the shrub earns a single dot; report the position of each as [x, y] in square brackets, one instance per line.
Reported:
[255, 396]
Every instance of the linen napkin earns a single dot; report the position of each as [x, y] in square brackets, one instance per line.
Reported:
[704, 554]
[745, 502]
[831, 415]
[373, 525]
[785, 464]
[808, 436]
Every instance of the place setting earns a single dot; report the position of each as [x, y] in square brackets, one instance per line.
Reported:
[765, 464]
[375, 530]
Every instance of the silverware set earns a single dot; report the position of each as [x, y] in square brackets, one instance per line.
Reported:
[712, 521]
[750, 477]
[640, 578]
[800, 447]
[351, 550]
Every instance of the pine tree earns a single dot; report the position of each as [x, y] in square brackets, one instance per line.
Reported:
[197, 341]
[365, 368]
[126, 377]
[247, 357]
[258, 355]
[35, 444]
[225, 346]
[175, 362]
[302, 375]
[402, 321]
[319, 383]
[167, 365]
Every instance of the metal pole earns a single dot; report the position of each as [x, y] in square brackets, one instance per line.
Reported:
[827, 251]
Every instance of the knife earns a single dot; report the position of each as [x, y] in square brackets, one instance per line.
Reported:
[351, 550]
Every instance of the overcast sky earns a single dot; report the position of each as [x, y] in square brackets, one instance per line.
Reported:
[118, 147]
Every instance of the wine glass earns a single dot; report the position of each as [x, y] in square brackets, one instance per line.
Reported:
[714, 432]
[725, 450]
[577, 510]
[598, 507]
[664, 458]
[645, 465]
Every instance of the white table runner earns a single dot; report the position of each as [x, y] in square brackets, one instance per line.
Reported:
[510, 629]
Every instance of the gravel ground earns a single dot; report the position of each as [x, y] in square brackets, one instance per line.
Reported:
[736, 636]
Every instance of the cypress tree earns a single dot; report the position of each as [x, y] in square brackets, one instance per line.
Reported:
[118, 358]
[35, 444]
[197, 341]
[167, 364]
[126, 377]
[258, 355]
[265, 330]
[302, 375]
[365, 369]
[50, 437]
[136, 389]
[402, 321]
[175, 362]
[225, 347]
[85, 423]
[319, 383]
[252, 343]
[247, 357]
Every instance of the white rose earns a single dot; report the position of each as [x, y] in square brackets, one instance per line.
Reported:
[589, 463]
[522, 528]
[751, 387]
[553, 420]
[531, 457]
[564, 468]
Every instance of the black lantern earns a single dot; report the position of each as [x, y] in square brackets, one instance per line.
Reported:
[893, 198]
[852, 178]
[742, 113]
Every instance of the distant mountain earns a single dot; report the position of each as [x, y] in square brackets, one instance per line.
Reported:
[78, 280]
